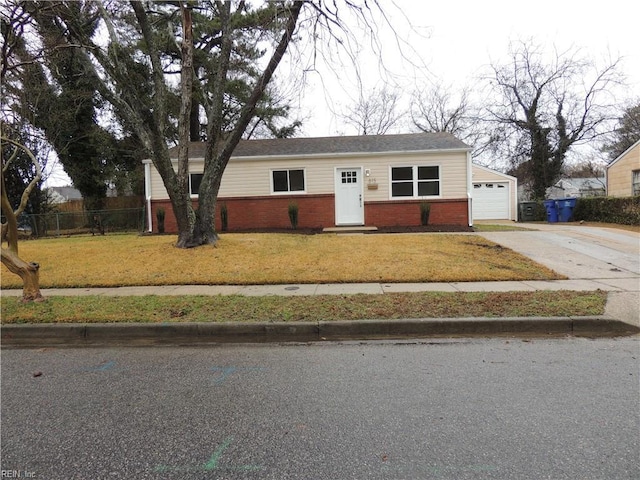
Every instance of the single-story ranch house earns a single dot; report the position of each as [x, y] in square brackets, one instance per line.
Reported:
[378, 181]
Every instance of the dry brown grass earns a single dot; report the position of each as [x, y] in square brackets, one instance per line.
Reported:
[119, 260]
[236, 308]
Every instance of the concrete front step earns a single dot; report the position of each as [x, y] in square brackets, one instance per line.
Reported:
[350, 229]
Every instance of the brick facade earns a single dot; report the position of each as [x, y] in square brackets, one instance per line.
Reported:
[395, 213]
[318, 211]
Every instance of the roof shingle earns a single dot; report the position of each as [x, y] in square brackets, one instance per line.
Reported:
[280, 147]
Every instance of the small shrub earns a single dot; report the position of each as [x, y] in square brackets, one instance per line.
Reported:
[224, 216]
[425, 210]
[160, 214]
[293, 215]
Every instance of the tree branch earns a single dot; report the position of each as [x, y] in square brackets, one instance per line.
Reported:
[260, 86]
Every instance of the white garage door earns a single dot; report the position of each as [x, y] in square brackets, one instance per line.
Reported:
[490, 201]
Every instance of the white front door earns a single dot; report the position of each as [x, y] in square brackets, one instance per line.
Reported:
[349, 196]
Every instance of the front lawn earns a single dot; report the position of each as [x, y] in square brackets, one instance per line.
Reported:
[246, 259]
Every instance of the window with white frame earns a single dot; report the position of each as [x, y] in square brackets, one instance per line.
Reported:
[416, 181]
[635, 182]
[195, 179]
[284, 181]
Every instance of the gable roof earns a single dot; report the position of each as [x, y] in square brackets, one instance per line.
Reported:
[363, 144]
[491, 170]
[623, 154]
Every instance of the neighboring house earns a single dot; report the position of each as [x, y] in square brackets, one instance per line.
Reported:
[377, 180]
[577, 187]
[623, 174]
[495, 195]
[63, 194]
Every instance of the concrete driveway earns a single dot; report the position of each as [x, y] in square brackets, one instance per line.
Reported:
[607, 256]
[579, 252]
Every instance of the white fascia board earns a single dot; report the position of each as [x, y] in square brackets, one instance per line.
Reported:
[622, 155]
[148, 193]
[469, 188]
[331, 155]
[349, 154]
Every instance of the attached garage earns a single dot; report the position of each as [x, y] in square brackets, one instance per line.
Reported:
[494, 195]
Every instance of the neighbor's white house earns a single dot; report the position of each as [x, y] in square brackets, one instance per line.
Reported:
[377, 180]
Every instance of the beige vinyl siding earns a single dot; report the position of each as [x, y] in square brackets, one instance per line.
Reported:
[246, 178]
[620, 173]
[481, 175]
[453, 177]
[158, 192]
[252, 177]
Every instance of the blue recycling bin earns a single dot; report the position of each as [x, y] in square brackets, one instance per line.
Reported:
[552, 211]
[565, 208]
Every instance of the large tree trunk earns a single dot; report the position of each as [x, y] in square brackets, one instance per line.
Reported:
[195, 227]
[29, 272]
[219, 147]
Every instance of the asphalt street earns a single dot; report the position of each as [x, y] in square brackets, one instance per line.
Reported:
[593, 258]
[443, 409]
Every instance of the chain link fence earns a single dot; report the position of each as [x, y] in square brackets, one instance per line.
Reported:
[97, 222]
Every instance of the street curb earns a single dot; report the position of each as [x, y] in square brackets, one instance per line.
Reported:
[137, 334]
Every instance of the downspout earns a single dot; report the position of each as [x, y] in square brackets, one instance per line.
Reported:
[147, 194]
[469, 188]
[515, 195]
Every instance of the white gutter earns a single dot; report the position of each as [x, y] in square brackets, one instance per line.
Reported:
[515, 196]
[332, 156]
[470, 188]
[147, 193]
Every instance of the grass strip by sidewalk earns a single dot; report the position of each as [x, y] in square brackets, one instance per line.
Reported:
[237, 308]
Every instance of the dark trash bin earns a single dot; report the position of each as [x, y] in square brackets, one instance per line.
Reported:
[552, 211]
[565, 208]
[527, 211]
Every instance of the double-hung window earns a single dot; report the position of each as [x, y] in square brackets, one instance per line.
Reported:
[195, 179]
[635, 182]
[286, 181]
[415, 182]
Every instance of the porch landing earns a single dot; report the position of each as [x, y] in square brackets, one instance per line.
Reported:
[350, 229]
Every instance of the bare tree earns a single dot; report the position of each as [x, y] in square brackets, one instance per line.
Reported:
[207, 59]
[545, 108]
[28, 271]
[133, 72]
[374, 112]
[189, 52]
[441, 108]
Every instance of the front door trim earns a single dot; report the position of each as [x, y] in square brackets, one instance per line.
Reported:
[349, 196]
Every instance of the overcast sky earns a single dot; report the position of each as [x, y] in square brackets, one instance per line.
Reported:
[454, 42]
[458, 40]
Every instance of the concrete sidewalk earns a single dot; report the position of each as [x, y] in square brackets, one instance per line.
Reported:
[629, 284]
[620, 318]
[592, 258]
